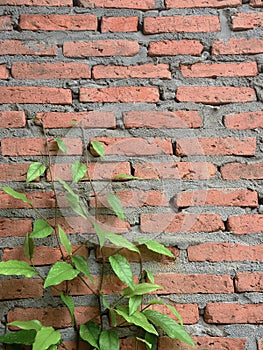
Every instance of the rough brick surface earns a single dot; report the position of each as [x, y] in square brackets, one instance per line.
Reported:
[119, 24]
[243, 21]
[13, 172]
[256, 3]
[249, 282]
[37, 2]
[15, 227]
[6, 23]
[128, 4]
[243, 121]
[235, 171]
[203, 3]
[12, 119]
[4, 73]
[238, 46]
[248, 223]
[30, 47]
[21, 289]
[174, 47]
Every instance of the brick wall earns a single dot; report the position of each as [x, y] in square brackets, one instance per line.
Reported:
[173, 89]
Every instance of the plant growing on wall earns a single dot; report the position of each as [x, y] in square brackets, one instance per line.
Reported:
[133, 305]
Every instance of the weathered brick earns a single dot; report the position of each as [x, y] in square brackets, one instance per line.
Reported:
[231, 313]
[101, 48]
[216, 146]
[30, 47]
[168, 24]
[120, 94]
[260, 341]
[243, 224]
[6, 23]
[12, 119]
[188, 312]
[217, 197]
[213, 70]
[256, 3]
[21, 289]
[58, 22]
[181, 223]
[144, 71]
[134, 146]
[217, 252]
[244, 121]
[4, 73]
[174, 47]
[249, 282]
[38, 146]
[238, 46]
[129, 4]
[215, 95]
[23, 70]
[13, 172]
[202, 3]
[14, 227]
[37, 2]
[35, 94]
[193, 283]
[119, 24]
[236, 171]
[175, 170]
[243, 21]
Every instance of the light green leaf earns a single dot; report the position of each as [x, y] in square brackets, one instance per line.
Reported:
[17, 268]
[53, 347]
[16, 194]
[134, 303]
[115, 204]
[79, 171]
[169, 326]
[140, 289]
[33, 324]
[59, 272]
[109, 340]
[69, 302]
[100, 233]
[170, 307]
[46, 337]
[90, 332]
[61, 145]
[81, 265]
[122, 269]
[120, 241]
[41, 229]
[28, 246]
[66, 186]
[35, 170]
[149, 275]
[25, 337]
[155, 246]
[148, 345]
[65, 240]
[98, 148]
[126, 177]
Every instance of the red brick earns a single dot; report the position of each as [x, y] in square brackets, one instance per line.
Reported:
[129, 4]
[144, 71]
[101, 48]
[37, 2]
[188, 24]
[243, 21]
[174, 47]
[21, 289]
[215, 95]
[89, 119]
[12, 119]
[217, 197]
[202, 3]
[238, 46]
[159, 119]
[213, 70]
[249, 282]
[249, 223]
[6, 23]
[181, 223]
[209, 343]
[58, 22]
[119, 24]
[119, 94]
[35, 94]
[217, 252]
[22, 70]
[174, 283]
[14, 227]
[17, 47]
[233, 313]
[4, 73]
[30, 146]
[13, 172]
[238, 171]
[134, 146]
[244, 121]
[175, 170]
[256, 3]
[216, 146]
[260, 341]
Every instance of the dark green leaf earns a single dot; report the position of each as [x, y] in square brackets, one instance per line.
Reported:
[115, 204]
[79, 171]
[122, 269]
[28, 246]
[46, 337]
[155, 246]
[69, 302]
[41, 229]
[59, 272]
[120, 241]
[90, 332]
[27, 325]
[65, 240]
[98, 148]
[16, 194]
[109, 340]
[20, 337]
[81, 265]
[61, 145]
[134, 303]
[17, 268]
[140, 289]
[35, 170]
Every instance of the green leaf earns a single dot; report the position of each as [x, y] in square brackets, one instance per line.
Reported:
[69, 302]
[170, 307]
[109, 340]
[61, 145]
[59, 272]
[90, 332]
[148, 345]
[53, 347]
[169, 326]
[100, 233]
[35, 170]
[81, 265]
[120, 241]
[152, 339]
[115, 204]
[149, 275]
[28, 247]
[98, 148]
[134, 303]
[26, 325]
[155, 247]
[25, 337]
[16, 194]
[122, 269]
[41, 229]
[140, 289]
[126, 177]
[17, 268]
[65, 240]
[79, 171]
[46, 337]
[136, 318]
